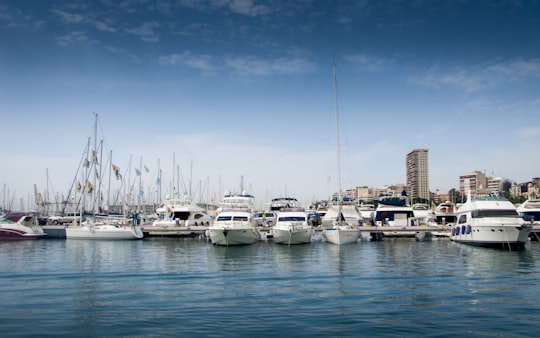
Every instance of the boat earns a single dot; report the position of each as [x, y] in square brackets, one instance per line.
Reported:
[445, 213]
[367, 211]
[179, 216]
[393, 211]
[530, 212]
[292, 227]
[347, 207]
[276, 204]
[234, 224]
[20, 225]
[105, 228]
[422, 213]
[490, 220]
[339, 231]
[98, 225]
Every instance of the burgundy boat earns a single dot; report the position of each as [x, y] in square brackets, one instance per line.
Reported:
[18, 225]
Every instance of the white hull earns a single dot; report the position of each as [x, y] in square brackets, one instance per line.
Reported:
[292, 236]
[229, 236]
[107, 231]
[495, 234]
[341, 235]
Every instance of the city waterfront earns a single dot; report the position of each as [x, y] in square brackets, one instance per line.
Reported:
[187, 287]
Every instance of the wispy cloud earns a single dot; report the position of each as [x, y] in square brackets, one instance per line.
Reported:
[146, 31]
[68, 17]
[480, 76]
[72, 38]
[371, 63]
[251, 65]
[243, 7]
[201, 62]
[529, 133]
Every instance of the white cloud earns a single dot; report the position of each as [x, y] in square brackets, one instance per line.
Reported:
[197, 61]
[480, 76]
[251, 65]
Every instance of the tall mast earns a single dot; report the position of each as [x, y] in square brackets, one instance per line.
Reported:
[337, 136]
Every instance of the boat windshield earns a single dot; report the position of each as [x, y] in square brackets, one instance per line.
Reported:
[494, 213]
[292, 219]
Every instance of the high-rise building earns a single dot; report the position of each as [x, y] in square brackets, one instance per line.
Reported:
[472, 182]
[417, 175]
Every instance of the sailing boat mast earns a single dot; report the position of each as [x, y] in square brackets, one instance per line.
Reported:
[338, 157]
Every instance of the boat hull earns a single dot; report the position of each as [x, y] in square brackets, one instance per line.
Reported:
[16, 234]
[340, 236]
[504, 236]
[292, 236]
[229, 237]
[104, 232]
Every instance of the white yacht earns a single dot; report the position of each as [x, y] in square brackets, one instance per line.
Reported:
[530, 211]
[108, 228]
[234, 224]
[181, 212]
[492, 221]
[445, 213]
[394, 212]
[292, 227]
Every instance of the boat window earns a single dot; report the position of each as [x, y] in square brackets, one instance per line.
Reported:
[462, 219]
[292, 219]
[224, 218]
[494, 213]
[240, 218]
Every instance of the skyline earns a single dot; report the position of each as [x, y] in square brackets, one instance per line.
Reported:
[244, 88]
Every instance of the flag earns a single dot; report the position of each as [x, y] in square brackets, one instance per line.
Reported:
[137, 172]
[116, 171]
[86, 164]
[141, 192]
[79, 186]
[169, 213]
[94, 156]
[146, 169]
[89, 187]
[158, 181]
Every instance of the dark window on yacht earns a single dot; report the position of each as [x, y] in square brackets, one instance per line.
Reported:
[462, 219]
[292, 219]
[224, 218]
[494, 213]
[240, 218]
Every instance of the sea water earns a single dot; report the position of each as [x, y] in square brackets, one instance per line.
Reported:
[187, 287]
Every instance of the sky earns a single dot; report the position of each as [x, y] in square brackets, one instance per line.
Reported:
[221, 95]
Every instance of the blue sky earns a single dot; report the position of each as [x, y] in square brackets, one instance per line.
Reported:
[244, 88]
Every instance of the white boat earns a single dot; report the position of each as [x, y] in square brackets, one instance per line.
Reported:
[348, 209]
[340, 231]
[105, 228]
[18, 225]
[491, 221]
[98, 225]
[367, 211]
[445, 213]
[393, 211]
[283, 202]
[292, 227]
[182, 212]
[234, 224]
[530, 211]
[422, 213]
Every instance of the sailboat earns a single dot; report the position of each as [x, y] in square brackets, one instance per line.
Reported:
[96, 225]
[339, 231]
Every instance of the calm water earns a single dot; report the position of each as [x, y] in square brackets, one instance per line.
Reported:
[187, 287]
